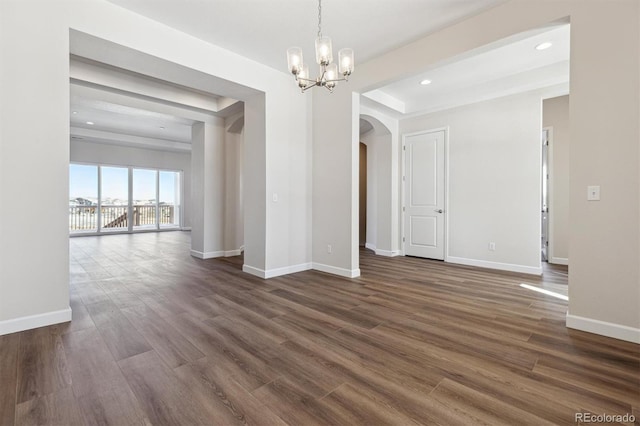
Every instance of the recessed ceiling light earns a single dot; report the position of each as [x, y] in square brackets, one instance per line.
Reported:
[74, 112]
[90, 123]
[543, 46]
[425, 82]
[162, 127]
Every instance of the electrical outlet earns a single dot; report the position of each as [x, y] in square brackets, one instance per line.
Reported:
[492, 246]
[329, 248]
[593, 193]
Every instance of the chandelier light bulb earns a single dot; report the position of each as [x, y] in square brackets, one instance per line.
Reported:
[324, 56]
[303, 76]
[294, 60]
[331, 75]
[345, 58]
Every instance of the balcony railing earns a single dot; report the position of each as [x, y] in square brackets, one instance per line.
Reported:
[85, 218]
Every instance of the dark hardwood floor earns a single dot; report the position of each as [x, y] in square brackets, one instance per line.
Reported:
[159, 337]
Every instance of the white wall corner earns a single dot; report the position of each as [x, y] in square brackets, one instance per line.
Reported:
[370, 246]
[348, 273]
[236, 252]
[207, 255]
[603, 328]
[271, 273]
[35, 321]
[559, 261]
[254, 271]
[533, 270]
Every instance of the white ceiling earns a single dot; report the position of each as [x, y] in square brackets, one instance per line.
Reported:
[121, 119]
[262, 30]
[505, 69]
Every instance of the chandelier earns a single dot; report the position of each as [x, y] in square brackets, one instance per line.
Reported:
[329, 73]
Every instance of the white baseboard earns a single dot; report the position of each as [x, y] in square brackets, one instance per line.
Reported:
[272, 273]
[34, 321]
[207, 255]
[185, 228]
[559, 261]
[288, 270]
[370, 246]
[236, 252]
[254, 271]
[388, 253]
[603, 328]
[349, 273]
[495, 265]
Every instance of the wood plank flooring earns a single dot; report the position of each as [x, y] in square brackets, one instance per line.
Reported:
[161, 338]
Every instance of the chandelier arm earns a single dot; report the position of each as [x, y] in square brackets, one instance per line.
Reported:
[315, 83]
[336, 80]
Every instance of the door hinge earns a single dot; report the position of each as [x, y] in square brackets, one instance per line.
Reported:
[403, 178]
[404, 147]
[402, 208]
[403, 239]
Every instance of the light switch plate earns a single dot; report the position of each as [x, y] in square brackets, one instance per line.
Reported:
[593, 193]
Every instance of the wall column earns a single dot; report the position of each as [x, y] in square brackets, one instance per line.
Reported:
[207, 189]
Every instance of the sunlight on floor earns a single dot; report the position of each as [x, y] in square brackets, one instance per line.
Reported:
[547, 292]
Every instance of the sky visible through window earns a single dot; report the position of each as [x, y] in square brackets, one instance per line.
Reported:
[83, 183]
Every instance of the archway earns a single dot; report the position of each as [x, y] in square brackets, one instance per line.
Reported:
[381, 182]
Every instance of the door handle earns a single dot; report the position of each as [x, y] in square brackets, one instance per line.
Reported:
[439, 211]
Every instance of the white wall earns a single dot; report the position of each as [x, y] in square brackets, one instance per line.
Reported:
[34, 165]
[555, 113]
[97, 153]
[288, 176]
[604, 282]
[234, 214]
[372, 191]
[493, 180]
[335, 181]
[208, 189]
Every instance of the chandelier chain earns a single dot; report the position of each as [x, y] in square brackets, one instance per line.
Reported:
[319, 18]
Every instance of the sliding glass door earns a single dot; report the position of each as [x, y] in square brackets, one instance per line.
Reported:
[114, 198]
[169, 196]
[83, 198]
[145, 206]
[122, 199]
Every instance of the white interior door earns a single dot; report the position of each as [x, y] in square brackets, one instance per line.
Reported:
[424, 195]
